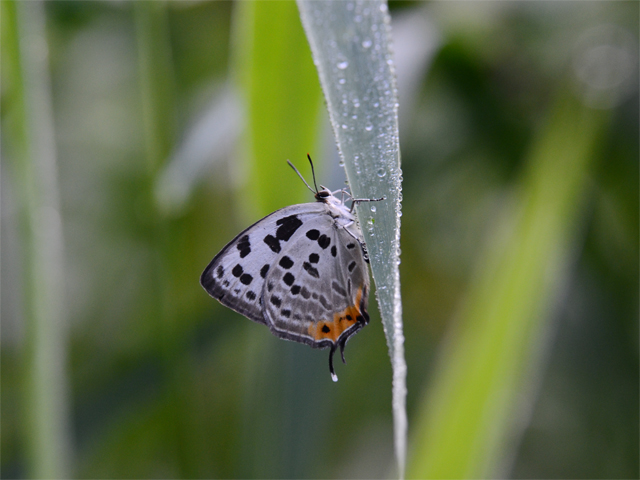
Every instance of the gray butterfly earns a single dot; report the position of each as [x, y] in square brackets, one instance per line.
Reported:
[302, 271]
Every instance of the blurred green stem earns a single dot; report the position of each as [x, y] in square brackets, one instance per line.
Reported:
[156, 80]
[280, 90]
[467, 427]
[46, 398]
[283, 100]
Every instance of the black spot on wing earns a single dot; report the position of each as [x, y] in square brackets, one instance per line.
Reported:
[334, 251]
[324, 241]
[314, 258]
[289, 278]
[237, 271]
[286, 262]
[220, 271]
[351, 266]
[310, 269]
[350, 245]
[313, 234]
[264, 270]
[305, 293]
[251, 295]
[276, 301]
[244, 246]
[285, 313]
[295, 290]
[325, 329]
[288, 226]
[273, 243]
[246, 279]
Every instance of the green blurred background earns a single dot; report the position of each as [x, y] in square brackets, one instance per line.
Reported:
[171, 123]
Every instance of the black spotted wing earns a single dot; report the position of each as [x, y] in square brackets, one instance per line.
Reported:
[316, 291]
[236, 275]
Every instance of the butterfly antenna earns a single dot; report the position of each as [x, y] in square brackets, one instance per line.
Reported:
[302, 178]
[313, 172]
[334, 377]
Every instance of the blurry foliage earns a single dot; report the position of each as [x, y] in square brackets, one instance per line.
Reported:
[167, 383]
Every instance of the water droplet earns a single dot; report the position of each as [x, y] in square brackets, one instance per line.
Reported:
[367, 43]
[342, 65]
[381, 172]
[344, 126]
[354, 117]
[368, 127]
[342, 81]
[373, 209]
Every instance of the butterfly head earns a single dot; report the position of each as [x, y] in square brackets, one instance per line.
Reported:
[322, 194]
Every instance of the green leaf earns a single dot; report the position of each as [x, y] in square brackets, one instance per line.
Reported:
[282, 97]
[351, 42]
[468, 420]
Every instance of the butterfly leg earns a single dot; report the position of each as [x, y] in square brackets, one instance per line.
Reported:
[355, 201]
[365, 253]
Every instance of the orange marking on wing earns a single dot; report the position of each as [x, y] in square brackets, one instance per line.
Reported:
[331, 330]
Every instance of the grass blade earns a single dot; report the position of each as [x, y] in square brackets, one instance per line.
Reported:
[46, 407]
[351, 44]
[468, 419]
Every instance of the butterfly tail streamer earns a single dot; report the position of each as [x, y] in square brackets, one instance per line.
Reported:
[351, 45]
[334, 377]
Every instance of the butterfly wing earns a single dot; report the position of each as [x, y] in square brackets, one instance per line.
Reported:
[317, 290]
[236, 275]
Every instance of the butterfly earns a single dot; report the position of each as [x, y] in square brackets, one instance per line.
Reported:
[302, 271]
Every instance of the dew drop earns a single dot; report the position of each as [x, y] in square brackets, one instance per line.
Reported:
[342, 81]
[373, 209]
[342, 65]
[344, 126]
[381, 172]
[368, 127]
[367, 43]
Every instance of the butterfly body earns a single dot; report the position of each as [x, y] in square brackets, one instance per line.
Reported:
[301, 270]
